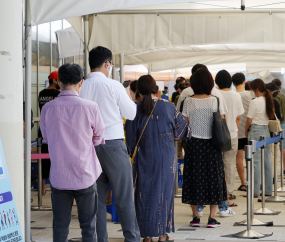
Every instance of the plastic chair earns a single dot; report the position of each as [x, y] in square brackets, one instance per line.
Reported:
[112, 210]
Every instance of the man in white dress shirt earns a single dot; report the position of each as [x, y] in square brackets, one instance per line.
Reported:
[114, 104]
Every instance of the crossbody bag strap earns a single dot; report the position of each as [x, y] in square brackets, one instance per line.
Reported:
[146, 124]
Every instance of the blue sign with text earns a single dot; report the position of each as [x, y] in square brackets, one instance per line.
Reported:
[10, 229]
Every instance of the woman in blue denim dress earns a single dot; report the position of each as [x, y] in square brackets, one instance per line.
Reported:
[261, 110]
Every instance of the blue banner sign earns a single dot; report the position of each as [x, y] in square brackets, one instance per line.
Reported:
[10, 229]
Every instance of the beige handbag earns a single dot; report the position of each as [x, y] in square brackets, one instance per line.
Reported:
[274, 125]
[136, 148]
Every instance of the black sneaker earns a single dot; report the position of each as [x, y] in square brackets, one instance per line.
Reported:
[213, 223]
[195, 222]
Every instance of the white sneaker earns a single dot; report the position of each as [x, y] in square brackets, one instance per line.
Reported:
[200, 212]
[227, 213]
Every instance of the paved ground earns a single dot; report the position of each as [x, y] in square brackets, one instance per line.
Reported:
[42, 222]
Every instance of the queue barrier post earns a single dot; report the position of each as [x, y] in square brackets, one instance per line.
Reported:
[275, 198]
[249, 233]
[282, 188]
[176, 180]
[263, 210]
[40, 180]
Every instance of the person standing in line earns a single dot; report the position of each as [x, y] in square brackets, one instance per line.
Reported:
[203, 177]
[188, 92]
[164, 95]
[114, 104]
[260, 110]
[155, 166]
[179, 81]
[46, 96]
[75, 128]
[235, 109]
[239, 83]
[281, 96]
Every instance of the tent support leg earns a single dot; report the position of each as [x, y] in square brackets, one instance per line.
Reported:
[122, 71]
[28, 92]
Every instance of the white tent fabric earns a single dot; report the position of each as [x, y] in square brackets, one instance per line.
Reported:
[50, 10]
[136, 33]
[69, 43]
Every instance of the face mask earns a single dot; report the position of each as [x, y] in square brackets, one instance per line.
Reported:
[110, 72]
[182, 86]
[57, 87]
[252, 94]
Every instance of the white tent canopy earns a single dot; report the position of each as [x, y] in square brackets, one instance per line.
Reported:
[46, 11]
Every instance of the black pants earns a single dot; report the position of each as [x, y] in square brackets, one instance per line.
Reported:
[87, 203]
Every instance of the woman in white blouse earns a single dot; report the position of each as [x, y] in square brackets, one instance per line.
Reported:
[260, 110]
[203, 176]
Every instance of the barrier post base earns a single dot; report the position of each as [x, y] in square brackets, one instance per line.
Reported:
[264, 211]
[281, 189]
[275, 199]
[254, 222]
[250, 234]
[41, 209]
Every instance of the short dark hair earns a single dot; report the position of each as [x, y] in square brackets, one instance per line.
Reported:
[50, 81]
[133, 86]
[202, 81]
[180, 79]
[98, 56]
[70, 74]
[238, 78]
[223, 79]
[247, 86]
[277, 82]
[197, 66]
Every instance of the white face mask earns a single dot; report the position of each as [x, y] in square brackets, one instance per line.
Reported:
[252, 94]
[110, 72]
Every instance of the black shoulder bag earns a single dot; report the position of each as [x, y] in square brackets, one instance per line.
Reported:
[221, 138]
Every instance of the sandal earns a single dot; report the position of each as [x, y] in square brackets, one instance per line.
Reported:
[231, 197]
[233, 205]
[167, 239]
[144, 240]
[242, 188]
[255, 196]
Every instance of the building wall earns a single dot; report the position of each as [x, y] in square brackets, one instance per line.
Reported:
[11, 101]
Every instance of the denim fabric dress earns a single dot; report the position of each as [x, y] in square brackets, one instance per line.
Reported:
[155, 166]
[254, 134]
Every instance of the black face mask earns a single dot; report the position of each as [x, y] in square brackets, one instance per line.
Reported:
[182, 86]
[275, 94]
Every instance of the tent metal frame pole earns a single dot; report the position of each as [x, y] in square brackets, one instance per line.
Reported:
[86, 39]
[149, 68]
[185, 11]
[38, 75]
[28, 92]
[114, 68]
[122, 70]
[50, 44]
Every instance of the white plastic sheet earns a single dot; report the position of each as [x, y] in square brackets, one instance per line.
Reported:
[69, 43]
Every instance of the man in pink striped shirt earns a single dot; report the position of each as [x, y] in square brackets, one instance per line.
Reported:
[72, 127]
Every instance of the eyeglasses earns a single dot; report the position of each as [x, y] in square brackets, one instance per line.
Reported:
[110, 62]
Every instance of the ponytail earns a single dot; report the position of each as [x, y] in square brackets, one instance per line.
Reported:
[146, 86]
[270, 109]
[258, 84]
[147, 104]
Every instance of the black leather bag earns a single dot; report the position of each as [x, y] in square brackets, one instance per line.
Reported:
[221, 138]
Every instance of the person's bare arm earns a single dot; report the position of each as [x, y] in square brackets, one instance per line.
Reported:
[186, 118]
[247, 124]
[238, 121]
